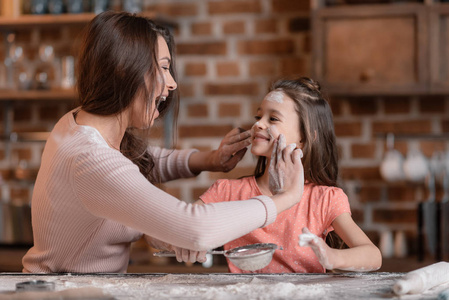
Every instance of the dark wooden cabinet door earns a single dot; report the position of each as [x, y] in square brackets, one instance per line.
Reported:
[439, 48]
[371, 49]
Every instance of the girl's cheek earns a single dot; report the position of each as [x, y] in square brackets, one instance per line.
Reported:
[253, 129]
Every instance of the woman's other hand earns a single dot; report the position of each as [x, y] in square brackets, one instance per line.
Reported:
[185, 255]
[286, 174]
[231, 150]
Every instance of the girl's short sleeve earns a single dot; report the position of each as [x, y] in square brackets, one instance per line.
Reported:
[335, 203]
[218, 192]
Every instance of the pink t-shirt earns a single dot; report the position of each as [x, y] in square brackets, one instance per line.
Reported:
[318, 208]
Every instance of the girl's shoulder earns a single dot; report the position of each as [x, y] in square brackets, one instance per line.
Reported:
[234, 183]
[324, 191]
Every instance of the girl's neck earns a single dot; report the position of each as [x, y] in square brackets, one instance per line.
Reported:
[110, 127]
[263, 181]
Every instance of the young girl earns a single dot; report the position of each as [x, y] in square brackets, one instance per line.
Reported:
[296, 109]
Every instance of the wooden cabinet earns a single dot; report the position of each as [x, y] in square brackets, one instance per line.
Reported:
[439, 48]
[382, 49]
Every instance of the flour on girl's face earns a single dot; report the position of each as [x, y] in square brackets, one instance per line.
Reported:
[275, 96]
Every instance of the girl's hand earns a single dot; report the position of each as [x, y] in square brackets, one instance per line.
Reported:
[319, 247]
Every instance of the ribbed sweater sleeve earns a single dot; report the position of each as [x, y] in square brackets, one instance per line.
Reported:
[111, 187]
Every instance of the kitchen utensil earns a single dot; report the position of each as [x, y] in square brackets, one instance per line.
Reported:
[415, 166]
[444, 210]
[249, 258]
[430, 211]
[391, 167]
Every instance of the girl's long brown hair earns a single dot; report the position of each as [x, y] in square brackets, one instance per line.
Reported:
[316, 126]
[118, 51]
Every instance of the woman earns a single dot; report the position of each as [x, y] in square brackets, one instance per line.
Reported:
[95, 191]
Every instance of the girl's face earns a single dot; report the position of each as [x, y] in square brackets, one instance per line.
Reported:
[165, 84]
[279, 110]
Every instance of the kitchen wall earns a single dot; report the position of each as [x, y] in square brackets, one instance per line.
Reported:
[229, 51]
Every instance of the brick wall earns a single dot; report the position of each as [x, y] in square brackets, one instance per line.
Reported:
[228, 53]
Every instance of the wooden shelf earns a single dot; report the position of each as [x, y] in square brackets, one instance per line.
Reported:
[28, 21]
[52, 95]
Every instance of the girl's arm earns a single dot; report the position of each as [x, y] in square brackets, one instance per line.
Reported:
[362, 255]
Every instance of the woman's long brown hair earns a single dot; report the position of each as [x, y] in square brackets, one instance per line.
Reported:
[118, 52]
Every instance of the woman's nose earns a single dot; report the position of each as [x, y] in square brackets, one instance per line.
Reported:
[171, 83]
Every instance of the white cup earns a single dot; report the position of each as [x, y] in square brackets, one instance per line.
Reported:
[391, 168]
[416, 166]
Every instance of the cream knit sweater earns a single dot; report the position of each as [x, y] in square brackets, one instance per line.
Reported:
[90, 202]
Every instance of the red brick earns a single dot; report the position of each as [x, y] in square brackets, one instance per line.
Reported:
[403, 127]
[370, 194]
[229, 110]
[289, 6]
[363, 106]
[195, 69]
[202, 28]
[395, 216]
[432, 104]
[234, 7]
[228, 69]
[197, 110]
[445, 125]
[397, 105]
[295, 66]
[237, 172]
[358, 215]
[186, 90]
[299, 25]
[335, 103]
[177, 9]
[401, 193]
[204, 48]
[347, 128]
[363, 150]
[362, 173]
[400, 145]
[212, 89]
[266, 26]
[234, 27]
[195, 131]
[428, 147]
[259, 47]
[262, 68]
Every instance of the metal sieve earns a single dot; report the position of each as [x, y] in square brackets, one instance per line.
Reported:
[249, 258]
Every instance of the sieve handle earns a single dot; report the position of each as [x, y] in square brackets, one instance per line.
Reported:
[173, 254]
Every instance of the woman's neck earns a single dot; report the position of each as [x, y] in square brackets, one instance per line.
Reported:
[112, 128]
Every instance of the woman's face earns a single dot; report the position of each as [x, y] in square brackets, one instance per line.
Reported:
[279, 110]
[165, 83]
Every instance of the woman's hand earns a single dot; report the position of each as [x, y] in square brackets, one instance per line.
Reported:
[319, 247]
[182, 255]
[286, 173]
[231, 150]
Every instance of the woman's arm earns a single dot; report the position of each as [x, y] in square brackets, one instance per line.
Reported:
[362, 256]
